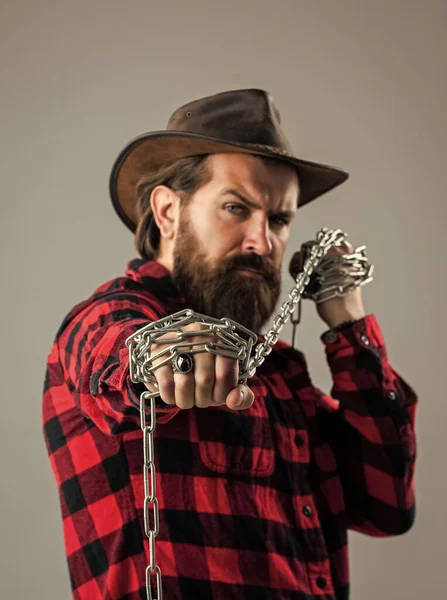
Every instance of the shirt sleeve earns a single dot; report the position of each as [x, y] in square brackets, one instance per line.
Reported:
[372, 423]
[95, 359]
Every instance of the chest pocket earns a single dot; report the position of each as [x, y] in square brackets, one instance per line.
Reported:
[236, 442]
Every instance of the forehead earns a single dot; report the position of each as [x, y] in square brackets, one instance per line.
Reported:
[272, 181]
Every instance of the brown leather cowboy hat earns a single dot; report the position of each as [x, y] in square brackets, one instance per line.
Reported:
[240, 121]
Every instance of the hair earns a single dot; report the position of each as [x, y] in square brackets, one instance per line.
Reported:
[184, 176]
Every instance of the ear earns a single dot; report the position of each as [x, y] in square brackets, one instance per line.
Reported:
[165, 207]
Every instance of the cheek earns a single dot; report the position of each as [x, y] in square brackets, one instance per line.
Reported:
[279, 247]
[216, 235]
[224, 227]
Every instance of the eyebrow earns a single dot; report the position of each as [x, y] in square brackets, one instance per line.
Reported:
[287, 214]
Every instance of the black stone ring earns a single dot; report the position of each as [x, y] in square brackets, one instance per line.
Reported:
[183, 363]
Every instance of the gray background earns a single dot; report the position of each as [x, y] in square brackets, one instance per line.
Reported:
[360, 84]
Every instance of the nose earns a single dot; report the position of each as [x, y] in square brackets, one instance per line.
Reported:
[257, 239]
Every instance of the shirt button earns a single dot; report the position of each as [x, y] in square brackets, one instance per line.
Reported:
[321, 582]
[392, 395]
[365, 340]
[331, 337]
[299, 440]
[307, 511]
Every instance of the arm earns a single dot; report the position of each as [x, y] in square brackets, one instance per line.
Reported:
[371, 430]
[95, 359]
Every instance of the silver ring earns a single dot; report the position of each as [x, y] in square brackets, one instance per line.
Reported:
[183, 363]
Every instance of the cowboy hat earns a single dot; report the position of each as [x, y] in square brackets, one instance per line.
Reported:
[239, 121]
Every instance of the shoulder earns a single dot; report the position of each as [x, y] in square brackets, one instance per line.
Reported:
[123, 297]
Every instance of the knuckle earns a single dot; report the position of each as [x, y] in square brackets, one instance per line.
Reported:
[157, 360]
[226, 365]
[227, 374]
[167, 393]
[204, 380]
[204, 339]
[184, 384]
[159, 341]
[151, 387]
[167, 385]
[195, 326]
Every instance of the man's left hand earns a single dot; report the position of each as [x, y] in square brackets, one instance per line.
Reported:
[347, 308]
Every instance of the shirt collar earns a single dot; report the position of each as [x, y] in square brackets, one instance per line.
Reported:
[138, 268]
[157, 279]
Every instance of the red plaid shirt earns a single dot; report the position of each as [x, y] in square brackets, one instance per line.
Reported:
[253, 505]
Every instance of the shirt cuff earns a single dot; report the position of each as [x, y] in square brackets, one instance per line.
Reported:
[164, 412]
[365, 332]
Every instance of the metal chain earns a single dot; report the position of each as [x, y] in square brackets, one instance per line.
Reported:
[150, 490]
[326, 238]
[233, 341]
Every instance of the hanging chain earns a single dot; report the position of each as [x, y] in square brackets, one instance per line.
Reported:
[150, 490]
[320, 278]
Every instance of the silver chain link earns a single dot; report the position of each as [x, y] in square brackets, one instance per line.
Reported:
[150, 490]
[335, 277]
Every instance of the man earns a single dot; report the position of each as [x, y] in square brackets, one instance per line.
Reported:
[257, 484]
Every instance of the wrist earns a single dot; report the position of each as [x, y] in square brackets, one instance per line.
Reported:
[341, 326]
[344, 318]
[347, 308]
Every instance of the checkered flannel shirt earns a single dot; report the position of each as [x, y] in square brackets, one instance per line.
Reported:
[253, 505]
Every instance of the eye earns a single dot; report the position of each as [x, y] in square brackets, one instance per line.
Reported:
[235, 209]
[282, 221]
[239, 209]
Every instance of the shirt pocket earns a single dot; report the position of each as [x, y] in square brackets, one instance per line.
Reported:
[236, 442]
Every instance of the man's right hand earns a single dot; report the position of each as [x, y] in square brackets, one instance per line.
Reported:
[212, 382]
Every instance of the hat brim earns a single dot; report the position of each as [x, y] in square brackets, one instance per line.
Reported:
[151, 151]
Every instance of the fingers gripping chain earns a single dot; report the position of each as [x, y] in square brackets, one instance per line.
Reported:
[231, 340]
[337, 276]
[332, 276]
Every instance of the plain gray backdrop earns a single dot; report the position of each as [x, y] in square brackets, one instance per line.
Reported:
[360, 84]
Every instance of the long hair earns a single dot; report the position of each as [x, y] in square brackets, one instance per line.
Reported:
[185, 176]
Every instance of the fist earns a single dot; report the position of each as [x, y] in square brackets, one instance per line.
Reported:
[334, 311]
[212, 382]
[346, 308]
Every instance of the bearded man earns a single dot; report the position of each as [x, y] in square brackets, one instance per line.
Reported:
[257, 483]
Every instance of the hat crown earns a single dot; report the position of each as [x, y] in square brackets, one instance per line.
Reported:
[241, 116]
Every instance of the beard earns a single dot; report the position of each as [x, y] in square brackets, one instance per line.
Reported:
[222, 290]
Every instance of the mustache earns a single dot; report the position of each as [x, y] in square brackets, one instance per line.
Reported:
[255, 262]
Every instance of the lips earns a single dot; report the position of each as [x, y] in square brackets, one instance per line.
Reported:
[252, 270]
[253, 273]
